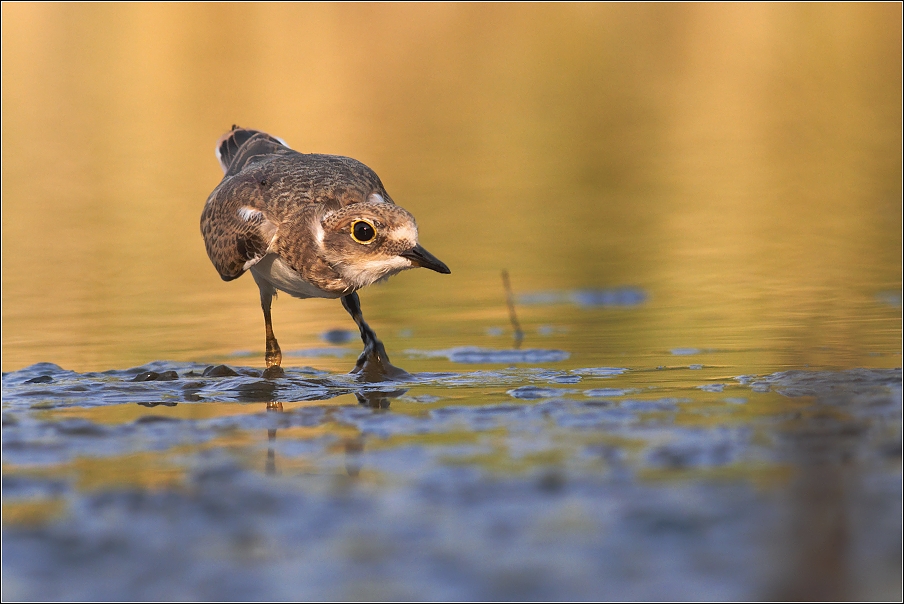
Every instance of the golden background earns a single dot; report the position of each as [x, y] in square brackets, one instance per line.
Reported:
[739, 163]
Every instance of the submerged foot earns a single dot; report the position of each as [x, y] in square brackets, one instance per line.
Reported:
[274, 371]
[373, 365]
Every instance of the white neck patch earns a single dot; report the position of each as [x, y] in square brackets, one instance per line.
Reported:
[362, 274]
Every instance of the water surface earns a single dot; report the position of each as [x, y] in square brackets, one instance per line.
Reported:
[699, 209]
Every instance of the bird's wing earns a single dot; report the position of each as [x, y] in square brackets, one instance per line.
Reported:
[239, 145]
[236, 234]
[237, 231]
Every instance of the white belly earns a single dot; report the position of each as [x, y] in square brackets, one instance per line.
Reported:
[274, 271]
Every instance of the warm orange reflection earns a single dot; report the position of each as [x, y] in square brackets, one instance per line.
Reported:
[35, 512]
[151, 470]
[129, 412]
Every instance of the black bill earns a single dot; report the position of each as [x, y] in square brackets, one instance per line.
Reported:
[421, 257]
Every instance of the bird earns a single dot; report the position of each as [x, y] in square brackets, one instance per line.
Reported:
[312, 226]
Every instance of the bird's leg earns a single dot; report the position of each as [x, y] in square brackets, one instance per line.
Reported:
[372, 344]
[373, 364]
[273, 355]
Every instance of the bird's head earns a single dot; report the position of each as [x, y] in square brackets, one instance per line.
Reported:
[366, 242]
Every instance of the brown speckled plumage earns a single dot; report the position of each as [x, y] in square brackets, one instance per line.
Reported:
[289, 217]
[290, 189]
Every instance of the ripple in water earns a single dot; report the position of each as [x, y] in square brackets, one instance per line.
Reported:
[587, 298]
[477, 355]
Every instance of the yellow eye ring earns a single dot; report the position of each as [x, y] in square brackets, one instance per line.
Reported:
[363, 231]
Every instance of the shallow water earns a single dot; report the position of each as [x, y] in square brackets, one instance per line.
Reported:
[699, 210]
[159, 482]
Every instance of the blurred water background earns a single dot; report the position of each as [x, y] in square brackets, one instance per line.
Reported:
[700, 211]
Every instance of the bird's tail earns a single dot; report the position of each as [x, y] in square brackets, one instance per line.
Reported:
[246, 143]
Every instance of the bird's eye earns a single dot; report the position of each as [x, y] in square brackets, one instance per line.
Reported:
[363, 231]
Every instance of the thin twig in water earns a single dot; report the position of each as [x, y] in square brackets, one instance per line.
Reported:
[510, 298]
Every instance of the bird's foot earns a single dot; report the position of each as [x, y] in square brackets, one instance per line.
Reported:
[272, 372]
[273, 356]
[373, 365]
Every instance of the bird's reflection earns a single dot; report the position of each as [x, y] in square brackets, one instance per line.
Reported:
[265, 391]
[374, 399]
[378, 399]
[270, 468]
[825, 446]
[353, 449]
